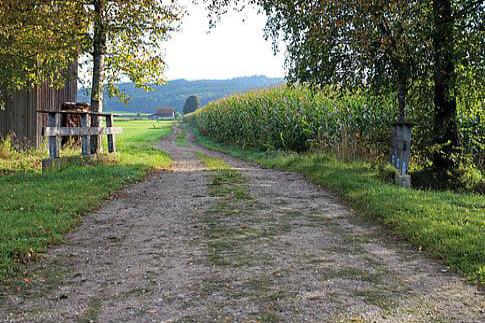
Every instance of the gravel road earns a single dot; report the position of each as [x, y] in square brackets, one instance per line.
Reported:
[167, 250]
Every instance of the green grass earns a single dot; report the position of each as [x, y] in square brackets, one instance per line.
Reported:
[228, 240]
[227, 181]
[213, 163]
[181, 138]
[37, 210]
[448, 226]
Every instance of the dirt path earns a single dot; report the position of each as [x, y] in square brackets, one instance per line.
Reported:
[255, 245]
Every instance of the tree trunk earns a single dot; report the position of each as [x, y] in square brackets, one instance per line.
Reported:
[99, 50]
[402, 92]
[446, 135]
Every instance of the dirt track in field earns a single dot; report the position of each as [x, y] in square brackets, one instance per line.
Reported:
[168, 250]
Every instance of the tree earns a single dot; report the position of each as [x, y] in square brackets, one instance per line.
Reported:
[38, 42]
[39, 39]
[393, 45]
[458, 42]
[126, 43]
[191, 104]
[371, 44]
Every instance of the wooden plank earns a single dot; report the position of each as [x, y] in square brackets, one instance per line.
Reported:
[54, 121]
[96, 143]
[85, 139]
[81, 131]
[100, 114]
[111, 137]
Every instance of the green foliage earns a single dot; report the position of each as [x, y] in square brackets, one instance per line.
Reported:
[191, 104]
[415, 49]
[130, 35]
[36, 210]
[38, 42]
[297, 119]
[371, 43]
[447, 225]
[466, 177]
[39, 39]
[351, 125]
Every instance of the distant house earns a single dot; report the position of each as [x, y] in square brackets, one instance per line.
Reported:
[163, 114]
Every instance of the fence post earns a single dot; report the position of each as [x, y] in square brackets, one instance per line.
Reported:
[54, 121]
[96, 144]
[85, 139]
[111, 137]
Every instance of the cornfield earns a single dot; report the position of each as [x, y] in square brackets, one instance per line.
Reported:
[352, 125]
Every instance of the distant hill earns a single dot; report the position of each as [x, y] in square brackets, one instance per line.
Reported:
[174, 93]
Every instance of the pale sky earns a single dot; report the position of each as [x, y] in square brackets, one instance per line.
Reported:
[234, 48]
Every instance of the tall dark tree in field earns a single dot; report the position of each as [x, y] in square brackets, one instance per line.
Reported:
[191, 104]
[458, 35]
[445, 116]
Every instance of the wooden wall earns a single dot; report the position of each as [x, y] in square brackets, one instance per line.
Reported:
[20, 115]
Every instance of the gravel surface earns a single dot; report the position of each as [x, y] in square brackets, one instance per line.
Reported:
[166, 249]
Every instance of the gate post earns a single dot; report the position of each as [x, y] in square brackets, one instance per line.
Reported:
[111, 137]
[85, 139]
[95, 142]
[54, 121]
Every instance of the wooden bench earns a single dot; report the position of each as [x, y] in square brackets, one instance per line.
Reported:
[89, 135]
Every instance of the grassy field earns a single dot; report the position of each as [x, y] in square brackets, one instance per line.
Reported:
[37, 210]
[448, 226]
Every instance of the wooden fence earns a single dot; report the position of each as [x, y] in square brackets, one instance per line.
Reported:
[89, 135]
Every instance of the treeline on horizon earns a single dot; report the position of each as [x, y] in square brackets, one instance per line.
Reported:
[174, 93]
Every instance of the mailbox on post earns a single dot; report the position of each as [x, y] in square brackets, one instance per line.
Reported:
[401, 151]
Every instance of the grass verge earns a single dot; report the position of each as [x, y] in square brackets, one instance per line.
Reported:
[234, 229]
[37, 210]
[181, 138]
[448, 226]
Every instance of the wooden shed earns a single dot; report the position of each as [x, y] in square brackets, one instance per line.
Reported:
[20, 114]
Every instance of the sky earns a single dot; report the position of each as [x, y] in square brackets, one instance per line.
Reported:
[234, 48]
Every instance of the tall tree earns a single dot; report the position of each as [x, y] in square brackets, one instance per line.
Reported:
[375, 44]
[394, 45]
[371, 44]
[39, 39]
[458, 42]
[127, 42]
